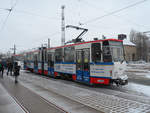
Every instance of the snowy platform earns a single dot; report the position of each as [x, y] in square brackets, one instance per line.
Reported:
[8, 104]
[99, 101]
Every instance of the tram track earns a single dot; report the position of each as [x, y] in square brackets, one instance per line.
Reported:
[97, 88]
[48, 102]
[84, 96]
[71, 106]
[123, 92]
[23, 108]
[29, 101]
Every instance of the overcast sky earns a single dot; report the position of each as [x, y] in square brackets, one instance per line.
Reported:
[32, 22]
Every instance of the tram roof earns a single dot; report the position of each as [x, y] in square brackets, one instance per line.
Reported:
[85, 43]
[18, 55]
[73, 45]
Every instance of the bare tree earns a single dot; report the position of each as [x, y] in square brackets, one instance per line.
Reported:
[141, 41]
[132, 36]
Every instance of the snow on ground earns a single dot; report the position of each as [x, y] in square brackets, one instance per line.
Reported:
[100, 101]
[148, 75]
[139, 71]
[140, 88]
[7, 103]
[140, 75]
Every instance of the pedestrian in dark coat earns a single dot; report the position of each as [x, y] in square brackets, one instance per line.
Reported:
[9, 68]
[1, 69]
[16, 71]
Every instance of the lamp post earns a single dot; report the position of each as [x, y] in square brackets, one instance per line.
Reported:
[14, 49]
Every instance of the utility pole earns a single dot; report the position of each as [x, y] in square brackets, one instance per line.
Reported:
[14, 49]
[62, 26]
[48, 43]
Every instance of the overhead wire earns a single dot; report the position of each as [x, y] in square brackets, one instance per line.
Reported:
[46, 37]
[4, 22]
[113, 12]
[14, 5]
[3, 8]
[79, 12]
[11, 2]
[10, 10]
[26, 12]
[31, 13]
[50, 35]
[122, 18]
[34, 14]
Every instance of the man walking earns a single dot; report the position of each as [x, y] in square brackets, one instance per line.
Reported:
[9, 68]
[16, 71]
[1, 69]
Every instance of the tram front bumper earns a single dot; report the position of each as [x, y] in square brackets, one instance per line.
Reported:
[122, 80]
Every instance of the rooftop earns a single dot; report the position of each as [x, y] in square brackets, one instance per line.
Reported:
[128, 42]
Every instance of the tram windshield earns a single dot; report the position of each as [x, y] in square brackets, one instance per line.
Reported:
[116, 49]
[113, 50]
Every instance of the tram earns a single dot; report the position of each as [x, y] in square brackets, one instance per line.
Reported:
[91, 62]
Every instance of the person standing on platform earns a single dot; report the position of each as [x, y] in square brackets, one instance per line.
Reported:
[1, 69]
[16, 70]
[9, 68]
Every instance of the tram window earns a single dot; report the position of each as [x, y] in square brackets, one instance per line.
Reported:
[35, 60]
[106, 52]
[96, 52]
[28, 57]
[45, 55]
[39, 56]
[58, 55]
[31, 57]
[79, 60]
[50, 60]
[86, 58]
[69, 54]
[116, 51]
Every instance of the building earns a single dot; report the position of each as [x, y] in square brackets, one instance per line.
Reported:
[130, 50]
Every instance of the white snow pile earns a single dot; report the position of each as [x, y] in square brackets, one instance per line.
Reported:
[127, 42]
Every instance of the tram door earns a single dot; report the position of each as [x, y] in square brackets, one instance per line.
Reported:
[42, 61]
[82, 65]
[42, 53]
[51, 64]
[35, 63]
